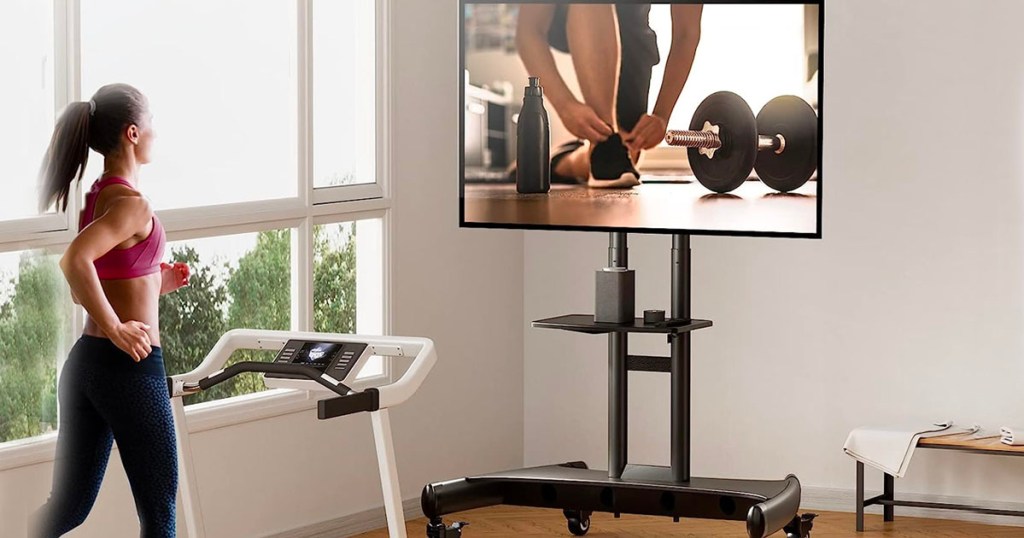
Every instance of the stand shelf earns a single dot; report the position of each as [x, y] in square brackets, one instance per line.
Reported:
[584, 323]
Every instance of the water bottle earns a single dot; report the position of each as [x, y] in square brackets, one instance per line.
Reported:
[533, 151]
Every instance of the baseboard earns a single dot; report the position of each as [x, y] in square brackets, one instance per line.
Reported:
[843, 500]
[353, 524]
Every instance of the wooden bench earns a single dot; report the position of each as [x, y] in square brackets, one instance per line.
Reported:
[962, 443]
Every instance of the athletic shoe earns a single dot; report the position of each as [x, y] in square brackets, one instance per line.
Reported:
[611, 167]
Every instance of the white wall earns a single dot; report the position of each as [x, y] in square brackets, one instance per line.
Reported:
[462, 288]
[912, 306]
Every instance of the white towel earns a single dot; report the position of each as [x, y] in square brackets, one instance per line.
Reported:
[985, 433]
[1012, 435]
[890, 449]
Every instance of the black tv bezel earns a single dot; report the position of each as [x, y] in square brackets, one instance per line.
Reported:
[634, 230]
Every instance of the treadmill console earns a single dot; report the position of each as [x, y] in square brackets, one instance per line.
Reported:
[336, 359]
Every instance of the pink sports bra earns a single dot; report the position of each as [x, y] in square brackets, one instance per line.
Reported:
[141, 259]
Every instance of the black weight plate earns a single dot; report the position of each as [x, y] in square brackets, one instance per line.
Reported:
[795, 120]
[733, 162]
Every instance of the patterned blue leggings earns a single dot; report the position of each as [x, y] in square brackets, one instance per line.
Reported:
[105, 396]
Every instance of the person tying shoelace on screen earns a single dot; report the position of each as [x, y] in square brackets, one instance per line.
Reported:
[614, 51]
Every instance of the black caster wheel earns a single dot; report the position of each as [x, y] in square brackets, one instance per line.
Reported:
[437, 529]
[578, 521]
[800, 527]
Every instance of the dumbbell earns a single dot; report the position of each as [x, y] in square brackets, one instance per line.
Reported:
[725, 142]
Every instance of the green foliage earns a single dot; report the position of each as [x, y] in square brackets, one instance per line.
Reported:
[260, 286]
[192, 319]
[31, 325]
[260, 289]
[334, 282]
[255, 294]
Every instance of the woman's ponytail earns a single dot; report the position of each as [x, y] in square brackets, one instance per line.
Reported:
[67, 155]
[99, 124]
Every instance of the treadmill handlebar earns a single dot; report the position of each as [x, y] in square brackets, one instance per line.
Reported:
[420, 349]
[330, 383]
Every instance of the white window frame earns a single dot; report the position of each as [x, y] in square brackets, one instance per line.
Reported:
[311, 207]
[66, 86]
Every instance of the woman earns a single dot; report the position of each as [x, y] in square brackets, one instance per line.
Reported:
[113, 386]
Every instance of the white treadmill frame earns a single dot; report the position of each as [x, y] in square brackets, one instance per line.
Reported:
[391, 394]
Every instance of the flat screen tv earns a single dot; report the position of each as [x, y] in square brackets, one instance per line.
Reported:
[664, 117]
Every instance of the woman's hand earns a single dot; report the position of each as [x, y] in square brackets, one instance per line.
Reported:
[648, 133]
[132, 338]
[583, 122]
[173, 276]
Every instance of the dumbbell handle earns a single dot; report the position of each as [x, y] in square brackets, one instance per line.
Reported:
[711, 140]
[694, 139]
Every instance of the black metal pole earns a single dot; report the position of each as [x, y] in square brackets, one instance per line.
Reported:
[889, 485]
[860, 497]
[680, 344]
[618, 256]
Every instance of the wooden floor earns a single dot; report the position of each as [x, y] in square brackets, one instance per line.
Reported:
[511, 521]
[681, 203]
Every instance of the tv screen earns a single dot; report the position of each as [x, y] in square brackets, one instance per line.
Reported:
[642, 117]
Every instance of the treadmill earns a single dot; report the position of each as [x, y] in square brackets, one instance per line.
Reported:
[319, 363]
[767, 506]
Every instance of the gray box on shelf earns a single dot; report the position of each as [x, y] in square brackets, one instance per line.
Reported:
[616, 288]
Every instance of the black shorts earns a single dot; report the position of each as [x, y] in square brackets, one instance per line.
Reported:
[639, 56]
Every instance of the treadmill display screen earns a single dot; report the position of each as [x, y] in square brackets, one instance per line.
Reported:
[317, 354]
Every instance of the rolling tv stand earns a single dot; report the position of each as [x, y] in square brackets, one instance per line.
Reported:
[767, 506]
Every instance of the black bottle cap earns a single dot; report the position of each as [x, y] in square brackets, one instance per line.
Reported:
[535, 89]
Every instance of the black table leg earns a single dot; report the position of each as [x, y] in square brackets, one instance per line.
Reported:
[860, 497]
[890, 495]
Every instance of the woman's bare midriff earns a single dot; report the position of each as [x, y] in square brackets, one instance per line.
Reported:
[133, 299]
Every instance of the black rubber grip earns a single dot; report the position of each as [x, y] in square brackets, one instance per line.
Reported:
[273, 368]
[772, 515]
[360, 402]
[459, 495]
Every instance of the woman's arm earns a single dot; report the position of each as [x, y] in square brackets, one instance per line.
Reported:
[124, 218]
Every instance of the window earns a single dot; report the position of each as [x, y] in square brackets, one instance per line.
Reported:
[348, 274]
[344, 63]
[34, 306]
[239, 281]
[224, 99]
[26, 39]
[267, 175]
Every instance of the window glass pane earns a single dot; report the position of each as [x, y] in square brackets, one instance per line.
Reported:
[237, 281]
[222, 84]
[344, 92]
[34, 326]
[26, 94]
[348, 281]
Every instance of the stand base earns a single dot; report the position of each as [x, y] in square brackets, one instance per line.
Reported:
[766, 505]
